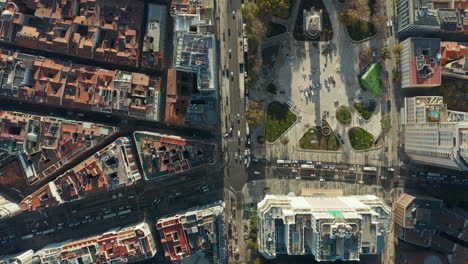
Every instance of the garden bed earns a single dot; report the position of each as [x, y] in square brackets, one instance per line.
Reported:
[313, 139]
[275, 29]
[343, 115]
[279, 119]
[269, 55]
[365, 109]
[360, 139]
[361, 30]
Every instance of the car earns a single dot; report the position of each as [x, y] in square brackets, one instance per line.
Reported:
[361, 182]
[293, 170]
[256, 172]
[238, 133]
[312, 175]
[309, 162]
[391, 169]
[298, 178]
[311, 171]
[318, 163]
[332, 167]
[226, 135]
[234, 14]
[230, 53]
[322, 179]
[351, 169]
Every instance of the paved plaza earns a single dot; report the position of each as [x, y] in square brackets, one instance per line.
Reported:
[303, 77]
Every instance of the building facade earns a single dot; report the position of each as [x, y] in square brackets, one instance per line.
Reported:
[338, 228]
[434, 135]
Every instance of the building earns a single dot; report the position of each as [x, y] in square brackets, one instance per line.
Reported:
[44, 144]
[193, 233]
[194, 54]
[120, 245]
[424, 221]
[162, 154]
[454, 59]
[416, 219]
[434, 135]
[8, 209]
[110, 168]
[415, 16]
[64, 84]
[338, 228]
[154, 41]
[312, 23]
[18, 258]
[420, 63]
[106, 31]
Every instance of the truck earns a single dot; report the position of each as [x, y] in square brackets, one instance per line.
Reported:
[369, 169]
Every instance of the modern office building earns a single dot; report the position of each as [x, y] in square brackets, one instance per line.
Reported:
[330, 228]
[434, 135]
[417, 16]
[420, 63]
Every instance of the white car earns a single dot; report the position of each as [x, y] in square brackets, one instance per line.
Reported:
[361, 182]
[256, 172]
[233, 13]
[391, 169]
[318, 163]
[322, 179]
[298, 178]
[294, 170]
[312, 175]
[309, 162]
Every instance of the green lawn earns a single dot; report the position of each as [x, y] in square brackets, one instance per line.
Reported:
[269, 54]
[360, 138]
[279, 119]
[361, 30]
[343, 114]
[371, 80]
[315, 140]
[271, 88]
[366, 111]
[274, 29]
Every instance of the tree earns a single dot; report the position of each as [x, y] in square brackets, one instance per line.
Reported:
[257, 261]
[250, 12]
[252, 244]
[349, 17]
[385, 53]
[274, 7]
[254, 114]
[396, 50]
[284, 140]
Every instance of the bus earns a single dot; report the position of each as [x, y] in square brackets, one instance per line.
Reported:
[369, 169]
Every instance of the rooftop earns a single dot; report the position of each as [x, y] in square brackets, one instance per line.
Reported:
[162, 154]
[53, 82]
[110, 168]
[196, 230]
[43, 144]
[422, 62]
[330, 228]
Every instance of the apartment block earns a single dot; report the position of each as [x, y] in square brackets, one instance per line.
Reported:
[18, 258]
[425, 222]
[196, 234]
[110, 168]
[434, 135]
[44, 144]
[120, 245]
[162, 154]
[155, 39]
[193, 102]
[64, 84]
[454, 59]
[420, 63]
[106, 31]
[329, 228]
[8, 208]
